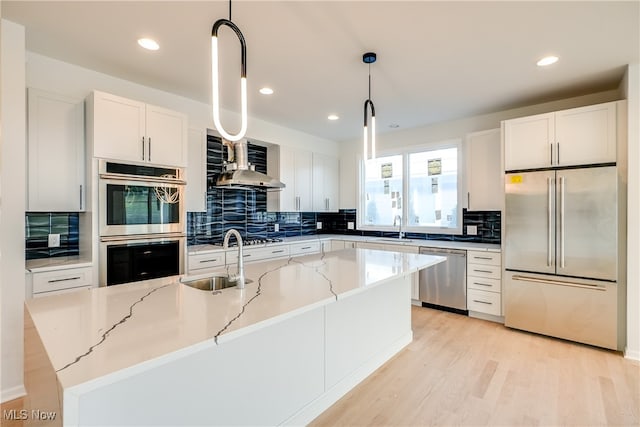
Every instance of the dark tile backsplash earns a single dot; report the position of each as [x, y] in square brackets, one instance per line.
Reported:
[38, 226]
[246, 211]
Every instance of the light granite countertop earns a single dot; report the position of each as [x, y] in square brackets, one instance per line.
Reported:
[94, 333]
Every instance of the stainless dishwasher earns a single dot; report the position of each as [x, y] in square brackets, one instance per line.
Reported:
[445, 284]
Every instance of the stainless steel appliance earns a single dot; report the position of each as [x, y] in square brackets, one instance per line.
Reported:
[445, 284]
[137, 199]
[142, 222]
[125, 260]
[561, 253]
[240, 173]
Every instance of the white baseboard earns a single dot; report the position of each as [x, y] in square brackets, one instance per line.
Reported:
[331, 396]
[12, 393]
[632, 354]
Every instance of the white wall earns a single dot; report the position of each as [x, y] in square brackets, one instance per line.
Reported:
[632, 93]
[12, 202]
[68, 79]
[352, 150]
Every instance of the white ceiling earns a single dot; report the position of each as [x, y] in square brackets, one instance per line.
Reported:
[437, 61]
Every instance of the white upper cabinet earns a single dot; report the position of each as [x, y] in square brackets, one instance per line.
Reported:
[586, 135]
[128, 130]
[579, 136]
[326, 170]
[529, 142]
[485, 183]
[294, 167]
[55, 161]
[196, 191]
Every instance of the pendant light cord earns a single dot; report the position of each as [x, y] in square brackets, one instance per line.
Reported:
[229, 10]
[369, 81]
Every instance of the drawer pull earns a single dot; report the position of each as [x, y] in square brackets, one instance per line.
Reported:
[68, 279]
[208, 260]
[306, 247]
[482, 302]
[482, 271]
[277, 252]
[483, 284]
[246, 255]
[483, 257]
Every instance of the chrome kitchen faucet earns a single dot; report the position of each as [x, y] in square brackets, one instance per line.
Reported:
[239, 277]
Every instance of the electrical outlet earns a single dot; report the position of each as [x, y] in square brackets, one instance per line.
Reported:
[319, 225]
[54, 240]
[276, 227]
[472, 230]
[350, 225]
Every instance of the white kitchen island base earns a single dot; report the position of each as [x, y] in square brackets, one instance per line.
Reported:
[256, 367]
[286, 373]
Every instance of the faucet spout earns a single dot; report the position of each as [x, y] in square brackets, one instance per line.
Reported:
[397, 221]
[225, 244]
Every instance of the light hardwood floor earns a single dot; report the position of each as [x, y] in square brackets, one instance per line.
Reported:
[464, 371]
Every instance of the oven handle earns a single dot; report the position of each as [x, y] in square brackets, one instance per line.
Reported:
[143, 237]
[149, 179]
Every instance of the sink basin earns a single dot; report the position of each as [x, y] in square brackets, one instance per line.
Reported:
[211, 283]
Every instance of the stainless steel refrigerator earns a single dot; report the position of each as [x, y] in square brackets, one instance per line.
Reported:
[561, 253]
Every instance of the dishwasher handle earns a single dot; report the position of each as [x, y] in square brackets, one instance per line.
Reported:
[442, 251]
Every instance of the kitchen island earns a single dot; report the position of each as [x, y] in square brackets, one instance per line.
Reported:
[299, 336]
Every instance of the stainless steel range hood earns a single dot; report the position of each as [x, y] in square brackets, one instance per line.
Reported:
[241, 174]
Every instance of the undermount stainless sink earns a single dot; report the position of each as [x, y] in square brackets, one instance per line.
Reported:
[211, 283]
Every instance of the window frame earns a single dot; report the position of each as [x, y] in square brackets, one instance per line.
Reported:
[405, 152]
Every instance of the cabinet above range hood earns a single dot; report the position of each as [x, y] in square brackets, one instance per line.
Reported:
[239, 173]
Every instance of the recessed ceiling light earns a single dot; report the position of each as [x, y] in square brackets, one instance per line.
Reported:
[266, 91]
[149, 44]
[333, 117]
[547, 60]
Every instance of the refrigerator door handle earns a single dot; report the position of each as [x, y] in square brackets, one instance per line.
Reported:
[559, 283]
[562, 182]
[550, 193]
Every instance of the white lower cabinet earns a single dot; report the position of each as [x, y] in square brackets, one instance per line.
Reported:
[58, 281]
[484, 284]
[200, 263]
[297, 249]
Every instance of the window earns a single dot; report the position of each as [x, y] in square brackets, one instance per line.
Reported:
[428, 179]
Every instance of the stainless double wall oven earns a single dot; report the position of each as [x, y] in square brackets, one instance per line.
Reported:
[142, 221]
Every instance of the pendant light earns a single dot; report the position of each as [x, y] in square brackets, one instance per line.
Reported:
[215, 79]
[369, 58]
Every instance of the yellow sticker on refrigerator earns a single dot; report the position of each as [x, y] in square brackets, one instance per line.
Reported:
[516, 179]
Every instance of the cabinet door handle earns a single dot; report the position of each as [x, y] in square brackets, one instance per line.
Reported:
[306, 247]
[482, 302]
[246, 255]
[81, 197]
[468, 200]
[482, 257]
[208, 260]
[551, 153]
[143, 148]
[68, 279]
[557, 152]
[277, 252]
[482, 271]
[149, 148]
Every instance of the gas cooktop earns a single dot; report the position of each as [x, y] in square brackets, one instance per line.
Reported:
[251, 242]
